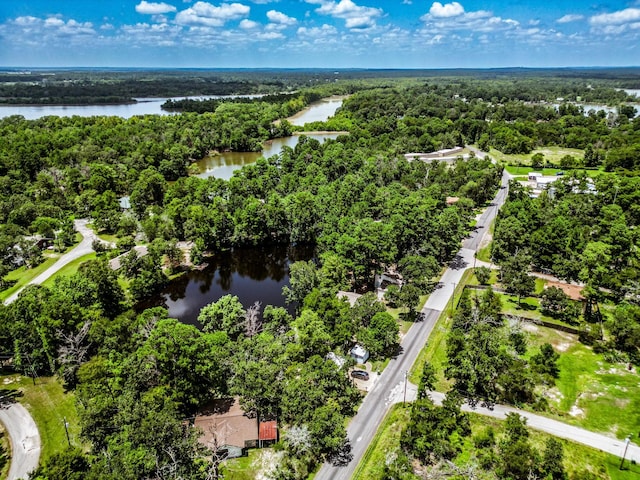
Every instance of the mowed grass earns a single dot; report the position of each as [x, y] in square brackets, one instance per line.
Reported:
[24, 275]
[579, 460]
[49, 405]
[590, 392]
[69, 269]
[245, 468]
[551, 154]
[385, 442]
[435, 351]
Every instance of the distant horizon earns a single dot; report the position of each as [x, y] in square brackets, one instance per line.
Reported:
[9, 68]
[323, 34]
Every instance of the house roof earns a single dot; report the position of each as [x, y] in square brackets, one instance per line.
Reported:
[224, 420]
[359, 351]
[268, 430]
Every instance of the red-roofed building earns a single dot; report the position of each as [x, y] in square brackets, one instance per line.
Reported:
[225, 424]
[268, 432]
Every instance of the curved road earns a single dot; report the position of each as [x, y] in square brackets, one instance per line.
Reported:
[391, 385]
[25, 440]
[80, 250]
[23, 432]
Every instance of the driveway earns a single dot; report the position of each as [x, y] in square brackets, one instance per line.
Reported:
[25, 440]
[83, 248]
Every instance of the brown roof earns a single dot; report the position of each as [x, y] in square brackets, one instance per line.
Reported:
[226, 420]
[269, 430]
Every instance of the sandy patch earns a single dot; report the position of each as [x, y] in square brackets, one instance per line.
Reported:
[572, 290]
[576, 411]
[530, 327]
[563, 347]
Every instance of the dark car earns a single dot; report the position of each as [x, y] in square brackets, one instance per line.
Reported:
[361, 374]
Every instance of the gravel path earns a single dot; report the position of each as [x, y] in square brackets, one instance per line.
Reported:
[25, 440]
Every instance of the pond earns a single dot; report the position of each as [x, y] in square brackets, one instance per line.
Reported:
[223, 165]
[253, 274]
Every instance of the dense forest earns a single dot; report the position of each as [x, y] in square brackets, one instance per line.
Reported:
[357, 199]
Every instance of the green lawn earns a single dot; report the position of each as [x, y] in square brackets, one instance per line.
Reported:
[578, 459]
[551, 154]
[435, 350]
[529, 308]
[245, 468]
[24, 275]
[69, 269]
[386, 441]
[49, 405]
[590, 391]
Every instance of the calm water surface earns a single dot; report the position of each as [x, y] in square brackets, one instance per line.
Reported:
[144, 106]
[223, 165]
[253, 274]
[318, 111]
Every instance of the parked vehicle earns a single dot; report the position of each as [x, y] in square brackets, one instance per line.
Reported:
[361, 374]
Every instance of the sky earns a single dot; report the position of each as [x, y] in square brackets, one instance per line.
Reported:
[319, 33]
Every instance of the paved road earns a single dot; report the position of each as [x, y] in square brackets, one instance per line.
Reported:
[364, 425]
[82, 249]
[556, 428]
[25, 440]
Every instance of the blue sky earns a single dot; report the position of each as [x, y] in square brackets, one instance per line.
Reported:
[319, 33]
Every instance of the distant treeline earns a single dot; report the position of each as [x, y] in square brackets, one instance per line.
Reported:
[88, 86]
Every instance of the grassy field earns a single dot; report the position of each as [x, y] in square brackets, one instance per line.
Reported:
[5, 455]
[69, 269]
[49, 405]
[24, 275]
[386, 441]
[551, 155]
[578, 459]
[590, 392]
[245, 468]
[435, 350]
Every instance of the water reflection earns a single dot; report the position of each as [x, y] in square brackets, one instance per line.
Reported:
[253, 274]
[223, 165]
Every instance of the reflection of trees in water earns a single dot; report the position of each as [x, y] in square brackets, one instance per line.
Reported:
[257, 264]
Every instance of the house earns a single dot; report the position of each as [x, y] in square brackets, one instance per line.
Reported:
[359, 353]
[227, 426]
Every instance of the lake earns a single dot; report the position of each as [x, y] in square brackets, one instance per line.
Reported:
[144, 106]
[223, 165]
[253, 274]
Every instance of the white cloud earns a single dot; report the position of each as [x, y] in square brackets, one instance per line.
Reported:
[317, 31]
[150, 8]
[26, 21]
[248, 24]
[438, 10]
[628, 15]
[570, 17]
[355, 16]
[280, 18]
[204, 13]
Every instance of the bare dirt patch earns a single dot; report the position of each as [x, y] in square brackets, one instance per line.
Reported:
[573, 291]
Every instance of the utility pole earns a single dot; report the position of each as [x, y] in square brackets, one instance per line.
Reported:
[627, 441]
[66, 429]
[404, 400]
[453, 294]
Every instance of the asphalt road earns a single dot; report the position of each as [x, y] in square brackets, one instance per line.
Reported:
[556, 428]
[25, 440]
[80, 250]
[364, 425]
